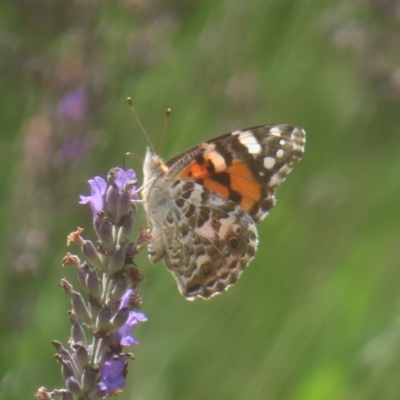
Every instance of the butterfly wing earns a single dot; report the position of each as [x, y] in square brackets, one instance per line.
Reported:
[244, 166]
[218, 191]
[208, 240]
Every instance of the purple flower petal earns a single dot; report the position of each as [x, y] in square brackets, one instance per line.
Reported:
[98, 188]
[139, 316]
[127, 339]
[125, 298]
[112, 377]
[124, 177]
[134, 317]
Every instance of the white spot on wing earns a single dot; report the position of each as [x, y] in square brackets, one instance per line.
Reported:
[280, 153]
[269, 162]
[236, 132]
[282, 142]
[247, 139]
[206, 231]
[275, 131]
[218, 160]
[274, 180]
[226, 224]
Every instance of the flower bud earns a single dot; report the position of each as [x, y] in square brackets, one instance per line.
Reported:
[131, 251]
[126, 223]
[114, 306]
[83, 274]
[89, 379]
[80, 308]
[67, 369]
[112, 198]
[71, 260]
[66, 287]
[93, 283]
[124, 205]
[95, 307]
[119, 319]
[64, 353]
[107, 343]
[97, 221]
[118, 258]
[74, 387]
[92, 255]
[104, 230]
[103, 319]
[82, 355]
[75, 237]
[58, 345]
[77, 333]
[121, 284]
[110, 352]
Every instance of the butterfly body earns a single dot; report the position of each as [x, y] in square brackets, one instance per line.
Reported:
[204, 204]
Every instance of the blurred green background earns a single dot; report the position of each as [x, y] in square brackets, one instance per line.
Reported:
[316, 315]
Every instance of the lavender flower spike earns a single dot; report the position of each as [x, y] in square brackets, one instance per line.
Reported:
[98, 188]
[105, 313]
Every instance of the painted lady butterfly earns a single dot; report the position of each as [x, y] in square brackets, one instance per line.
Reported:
[204, 203]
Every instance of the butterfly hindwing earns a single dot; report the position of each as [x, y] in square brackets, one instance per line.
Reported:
[208, 240]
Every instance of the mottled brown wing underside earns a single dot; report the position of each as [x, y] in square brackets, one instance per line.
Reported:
[209, 241]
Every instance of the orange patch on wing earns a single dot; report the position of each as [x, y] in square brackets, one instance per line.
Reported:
[216, 187]
[247, 204]
[242, 181]
[196, 171]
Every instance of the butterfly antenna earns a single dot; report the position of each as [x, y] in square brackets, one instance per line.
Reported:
[168, 113]
[128, 154]
[139, 123]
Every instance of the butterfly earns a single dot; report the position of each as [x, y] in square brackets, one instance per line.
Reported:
[204, 204]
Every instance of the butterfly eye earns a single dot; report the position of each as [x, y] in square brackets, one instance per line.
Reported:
[233, 242]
